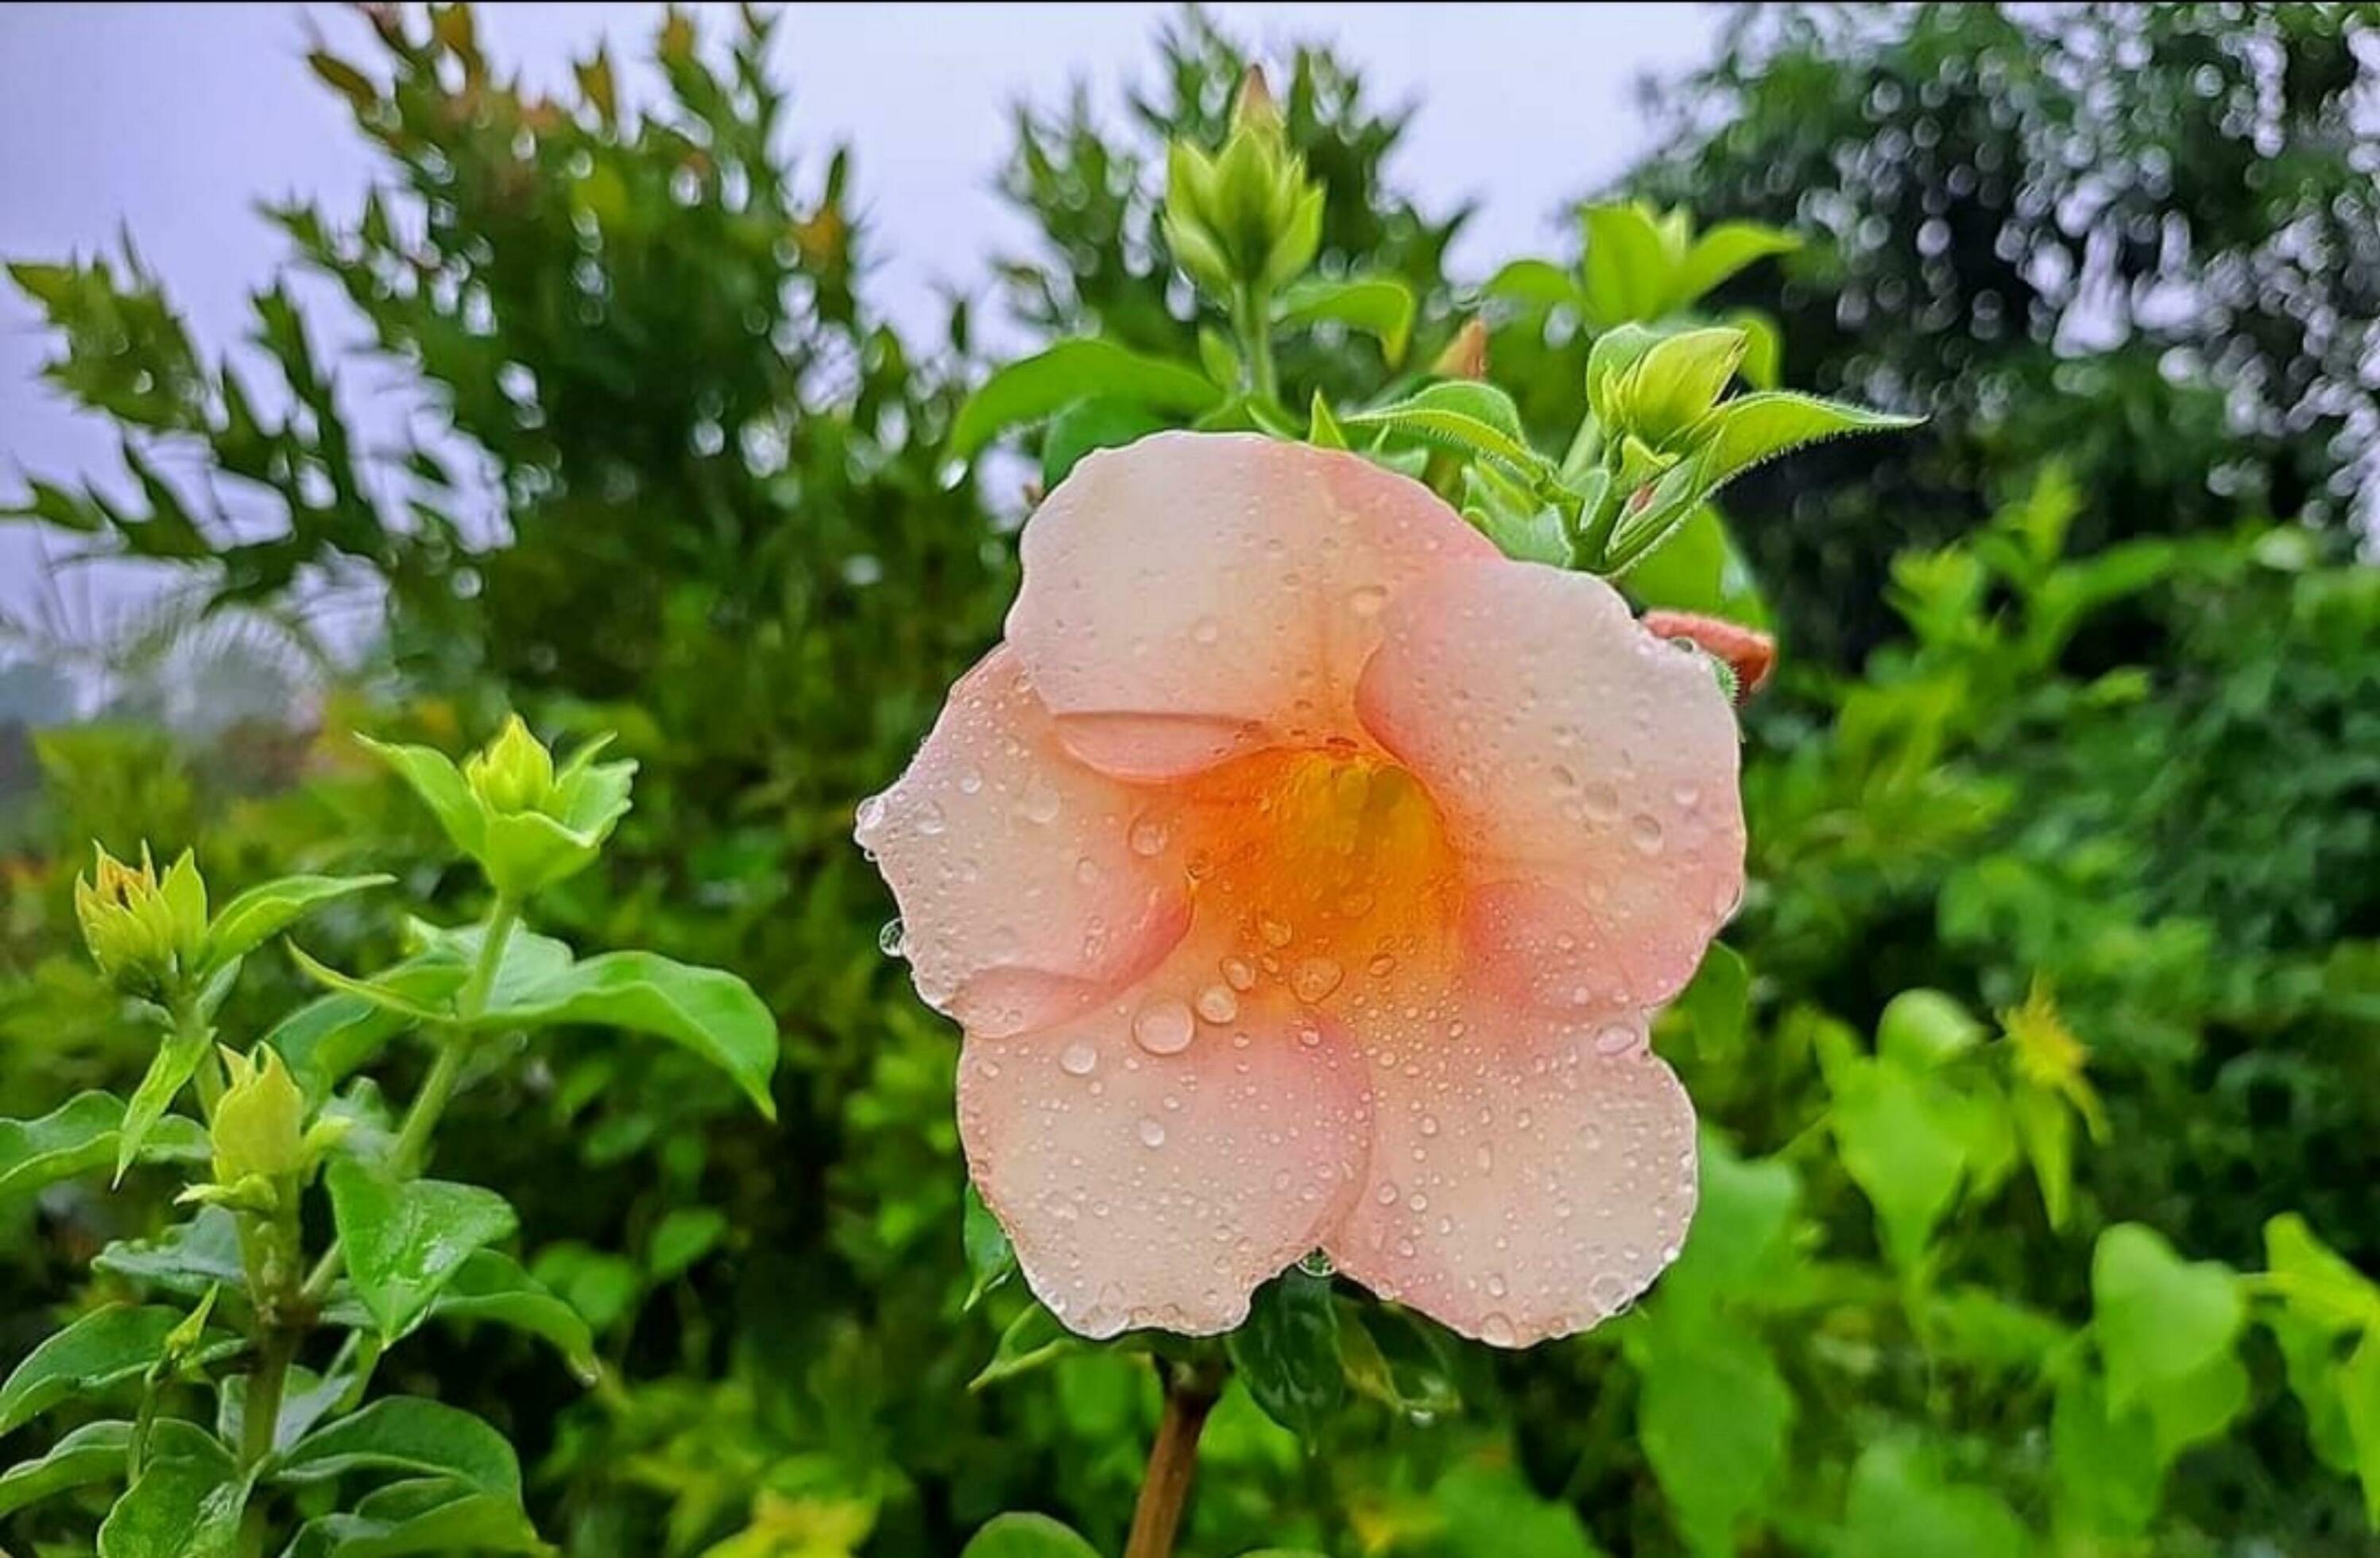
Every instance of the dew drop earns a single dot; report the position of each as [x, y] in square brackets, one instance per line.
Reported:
[1645, 833]
[1239, 974]
[1497, 1331]
[930, 820]
[892, 941]
[1079, 1059]
[1495, 1286]
[1429, 1125]
[1388, 1195]
[1152, 1132]
[970, 780]
[1148, 836]
[1216, 1004]
[1366, 600]
[1600, 799]
[1382, 966]
[1163, 1028]
[1615, 1038]
[1315, 977]
[1040, 804]
[1206, 630]
[1275, 932]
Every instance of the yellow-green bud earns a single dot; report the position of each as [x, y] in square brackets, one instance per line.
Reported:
[1248, 216]
[144, 933]
[512, 774]
[259, 1126]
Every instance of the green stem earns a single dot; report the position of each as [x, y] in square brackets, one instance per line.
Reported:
[454, 1045]
[261, 1408]
[208, 1076]
[1256, 341]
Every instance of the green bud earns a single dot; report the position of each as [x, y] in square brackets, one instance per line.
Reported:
[512, 774]
[1253, 108]
[260, 1126]
[145, 934]
[1922, 1028]
[1248, 216]
[1609, 362]
[1655, 387]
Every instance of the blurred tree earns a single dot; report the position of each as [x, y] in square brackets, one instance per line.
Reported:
[2142, 238]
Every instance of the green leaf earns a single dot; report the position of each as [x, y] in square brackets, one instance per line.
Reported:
[1475, 419]
[93, 1453]
[1033, 1338]
[441, 787]
[1676, 381]
[399, 999]
[1287, 1353]
[1713, 1418]
[1539, 284]
[2159, 1319]
[1698, 568]
[1901, 1147]
[1900, 1505]
[262, 912]
[1492, 1509]
[81, 1135]
[175, 1060]
[2196, 1406]
[1382, 307]
[410, 1435]
[2109, 1476]
[405, 1239]
[186, 1258]
[181, 1506]
[990, 1259]
[490, 1287]
[1087, 425]
[1629, 272]
[1923, 1028]
[684, 1236]
[421, 1515]
[2316, 1283]
[1026, 1536]
[100, 1349]
[1397, 1360]
[1743, 1219]
[1716, 1003]
[1722, 252]
[1033, 387]
[709, 1011]
[2045, 1126]
[1753, 429]
[2359, 1399]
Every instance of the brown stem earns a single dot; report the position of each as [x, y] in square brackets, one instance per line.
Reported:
[1190, 1392]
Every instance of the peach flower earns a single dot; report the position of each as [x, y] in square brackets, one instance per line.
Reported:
[1304, 874]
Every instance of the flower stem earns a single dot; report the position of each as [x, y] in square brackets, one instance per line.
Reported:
[1190, 1392]
[1256, 340]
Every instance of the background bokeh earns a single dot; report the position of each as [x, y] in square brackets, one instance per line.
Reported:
[622, 398]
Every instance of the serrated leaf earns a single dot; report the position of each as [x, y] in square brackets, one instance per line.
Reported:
[1035, 387]
[707, 1010]
[79, 1136]
[1753, 429]
[1382, 307]
[1475, 419]
[405, 1239]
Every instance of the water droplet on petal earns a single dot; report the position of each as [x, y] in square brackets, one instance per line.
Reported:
[1645, 833]
[1600, 800]
[1387, 1193]
[1429, 1125]
[1148, 836]
[1275, 932]
[892, 941]
[1163, 1027]
[1497, 1331]
[1315, 977]
[1617, 1039]
[1239, 974]
[930, 820]
[1040, 803]
[1366, 600]
[1216, 1004]
[1496, 1287]
[1206, 630]
[1079, 1059]
[970, 780]
[1152, 1133]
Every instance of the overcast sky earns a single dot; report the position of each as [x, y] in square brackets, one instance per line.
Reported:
[171, 122]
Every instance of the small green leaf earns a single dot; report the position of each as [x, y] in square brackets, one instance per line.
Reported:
[2045, 1128]
[1026, 1536]
[1743, 1221]
[101, 1348]
[262, 912]
[79, 1136]
[1901, 1147]
[1322, 429]
[2315, 1281]
[1287, 1353]
[405, 1239]
[1033, 1338]
[93, 1453]
[1753, 429]
[1033, 387]
[431, 1515]
[990, 1259]
[176, 1061]
[1899, 1505]
[1722, 252]
[1087, 425]
[412, 1436]
[441, 787]
[1713, 1417]
[684, 1236]
[1923, 1028]
[2159, 1319]
[1475, 419]
[398, 999]
[1717, 1003]
[189, 1259]
[1539, 284]
[2109, 1473]
[708, 1011]
[1492, 1509]
[181, 1506]
[1382, 307]
[2359, 1398]
[1397, 1360]
[1629, 272]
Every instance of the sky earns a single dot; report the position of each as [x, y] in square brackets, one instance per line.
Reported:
[171, 122]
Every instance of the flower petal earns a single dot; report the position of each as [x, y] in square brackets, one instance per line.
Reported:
[1142, 1188]
[1529, 1177]
[1022, 901]
[1194, 596]
[1588, 773]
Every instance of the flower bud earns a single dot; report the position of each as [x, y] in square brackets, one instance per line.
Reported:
[259, 1126]
[514, 772]
[144, 933]
[1465, 357]
[1246, 217]
[1748, 653]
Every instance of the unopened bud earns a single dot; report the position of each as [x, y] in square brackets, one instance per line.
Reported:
[1253, 108]
[1748, 653]
[514, 772]
[259, 1126]
[1465, 357]
[145, 933]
